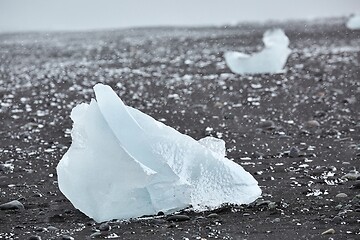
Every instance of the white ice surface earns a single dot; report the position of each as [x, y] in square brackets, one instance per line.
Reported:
[353, 22]
[123, 164]
[271, 59]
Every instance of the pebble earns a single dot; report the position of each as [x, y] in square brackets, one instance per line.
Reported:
[6, 167]
[338, 207]
[352, 176]
[262, 203]
[268, 124]
[52, 228]
[294, 152]
[312, 124]
[356, 185]
[276, 220]
[97, 235]
[12, 205]
[66, 237]
[213, 215]
[41, 229]
[104, 227]
[34, 238]
[329, 231]
[272, 205]
[178, 218]
[341, 195]
[337, 219]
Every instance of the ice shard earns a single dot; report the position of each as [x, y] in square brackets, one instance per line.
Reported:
[123, 164]
[354, 22]
[271, 59]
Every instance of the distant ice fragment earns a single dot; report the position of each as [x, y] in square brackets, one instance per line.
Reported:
[123, 164]
[271, 59]
[354, 22]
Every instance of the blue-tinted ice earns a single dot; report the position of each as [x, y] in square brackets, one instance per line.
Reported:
[123, 164]
[271, 59]
[353, 22]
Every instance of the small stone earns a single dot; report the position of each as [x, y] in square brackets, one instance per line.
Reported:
[338, 207]
[41, 229]
[312, 124]
[341, 195]
[6, 167]
[262, 203]
[268, 124]
[97, 235]
[52, 228]
[178, 218]
[351, 176]
[337, 219]
[213, 215]
[350, 100]
[329, 231]
[67, 237]
[276, 220]
[356, 185]
[272, 205]
[34, 238]
[15, 204]
[294, 152]
[104, 227]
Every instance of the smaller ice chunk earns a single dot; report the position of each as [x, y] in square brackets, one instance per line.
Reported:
[271, 59]
[354, 22]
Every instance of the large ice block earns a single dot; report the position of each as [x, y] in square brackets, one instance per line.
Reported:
[271, 59]
[354, 22]
[123, 163]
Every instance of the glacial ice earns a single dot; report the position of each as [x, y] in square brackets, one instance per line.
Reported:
[123, 164]
[271, 59]
[354, 22]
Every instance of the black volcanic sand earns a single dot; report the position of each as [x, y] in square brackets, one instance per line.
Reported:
[297, 132]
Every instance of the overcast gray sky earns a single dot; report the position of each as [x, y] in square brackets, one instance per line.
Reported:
[29, 15]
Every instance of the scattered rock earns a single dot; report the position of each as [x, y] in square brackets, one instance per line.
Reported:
[272, 205]
[338, 207]
[353, 175]
[105, 227]
[41, 229]
[312, 124]
[15, 204]
[267, 124]
[337, 219]
[178, 218]
[276, 220]
[66, 237]
[34, 238]
[329, 231]
[6, 167]
[341, 195]
[356, 185]
[294, 152]
[350, 100]
[97, 235]
[52, 228]
[213, 215]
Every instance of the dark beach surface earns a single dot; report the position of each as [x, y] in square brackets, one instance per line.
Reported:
[297, 132]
